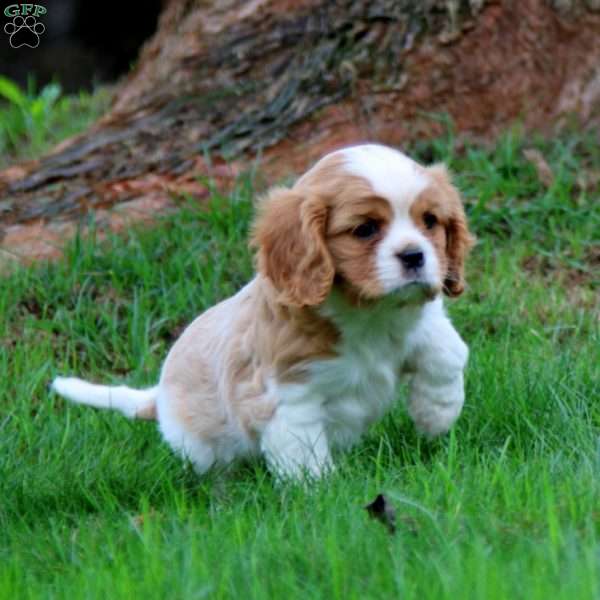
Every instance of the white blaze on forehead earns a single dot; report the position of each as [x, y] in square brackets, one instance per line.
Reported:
[392, 175]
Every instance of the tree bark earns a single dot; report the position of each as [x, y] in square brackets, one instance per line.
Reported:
[288, 80]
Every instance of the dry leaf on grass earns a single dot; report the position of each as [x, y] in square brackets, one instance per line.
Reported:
[587, 180]
[383, 510]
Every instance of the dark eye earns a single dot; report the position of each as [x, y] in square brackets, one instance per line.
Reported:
[430, 220]
[366, 230]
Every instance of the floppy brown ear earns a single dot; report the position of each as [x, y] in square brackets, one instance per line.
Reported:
[458, 244]
[458, 237]
[289, 233]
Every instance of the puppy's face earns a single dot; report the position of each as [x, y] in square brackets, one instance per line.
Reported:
[368, 220]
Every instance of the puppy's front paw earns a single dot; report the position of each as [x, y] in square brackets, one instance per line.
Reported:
[434, 421]
[435, 408]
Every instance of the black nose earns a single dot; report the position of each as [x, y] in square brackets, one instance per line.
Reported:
[412, 259]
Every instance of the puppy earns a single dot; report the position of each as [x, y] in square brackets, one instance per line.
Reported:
[352, 263]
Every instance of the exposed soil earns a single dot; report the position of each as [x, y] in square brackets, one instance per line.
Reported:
[289, 81]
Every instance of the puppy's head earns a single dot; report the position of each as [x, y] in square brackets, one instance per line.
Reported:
[368, 220]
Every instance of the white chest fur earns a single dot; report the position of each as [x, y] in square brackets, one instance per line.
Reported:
[357, 387]
[345, 394]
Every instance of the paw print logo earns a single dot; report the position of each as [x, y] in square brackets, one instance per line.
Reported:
[24, 31]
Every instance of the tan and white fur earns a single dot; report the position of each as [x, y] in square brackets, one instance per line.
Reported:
[352, 262]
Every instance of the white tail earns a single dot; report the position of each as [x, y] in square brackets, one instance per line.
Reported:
[140, 404]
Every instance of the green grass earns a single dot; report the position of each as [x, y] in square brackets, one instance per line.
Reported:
[32, 122]
[506, 506]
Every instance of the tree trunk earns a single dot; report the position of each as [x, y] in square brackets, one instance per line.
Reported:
[291, 79]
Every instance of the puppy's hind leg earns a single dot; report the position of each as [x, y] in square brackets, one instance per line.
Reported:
[199, 453]
[188, 444]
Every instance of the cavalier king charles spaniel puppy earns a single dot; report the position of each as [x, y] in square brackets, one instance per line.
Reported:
[352, 262]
